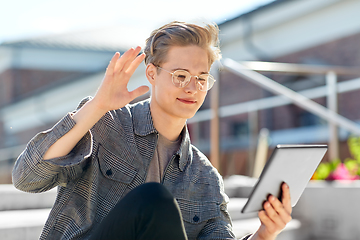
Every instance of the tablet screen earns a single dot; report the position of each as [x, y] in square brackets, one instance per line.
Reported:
[292, 164]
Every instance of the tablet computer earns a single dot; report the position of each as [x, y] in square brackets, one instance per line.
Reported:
[292, 164]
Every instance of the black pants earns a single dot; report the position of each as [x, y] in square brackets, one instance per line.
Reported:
[147, 212]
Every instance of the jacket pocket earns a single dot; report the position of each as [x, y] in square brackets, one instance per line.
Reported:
[115, 168]
[196, 212]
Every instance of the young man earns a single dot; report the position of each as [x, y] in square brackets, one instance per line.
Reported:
[101, 155]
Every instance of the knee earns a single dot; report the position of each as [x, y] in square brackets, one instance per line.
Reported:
[154, 192]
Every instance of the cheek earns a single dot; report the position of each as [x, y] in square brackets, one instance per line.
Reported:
[164, 92]
[202, 97]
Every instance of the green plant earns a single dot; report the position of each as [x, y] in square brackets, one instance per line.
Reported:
[338, 170]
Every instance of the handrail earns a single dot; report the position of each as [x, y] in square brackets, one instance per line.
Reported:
[291, 68]
[271, 102]
[295, 97]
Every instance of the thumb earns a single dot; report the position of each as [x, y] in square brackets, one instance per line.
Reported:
[138, 92]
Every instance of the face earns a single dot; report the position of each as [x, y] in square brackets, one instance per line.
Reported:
[168, 100]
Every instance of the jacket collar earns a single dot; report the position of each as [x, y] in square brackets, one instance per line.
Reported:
[143, 126]
[142, 120]
[184, 152]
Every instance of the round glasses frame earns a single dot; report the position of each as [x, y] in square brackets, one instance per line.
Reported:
[181, 83]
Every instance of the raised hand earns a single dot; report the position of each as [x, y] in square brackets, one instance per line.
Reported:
[275, 215]
[113, 93]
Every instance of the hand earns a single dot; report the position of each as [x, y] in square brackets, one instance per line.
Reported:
[275, 215]
[113, 93]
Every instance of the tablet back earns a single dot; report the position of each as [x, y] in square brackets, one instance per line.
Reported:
[293, 164]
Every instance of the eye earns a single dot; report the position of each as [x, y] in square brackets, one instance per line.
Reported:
[203, 78]
[181, 76]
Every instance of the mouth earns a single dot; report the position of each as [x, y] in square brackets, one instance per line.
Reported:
[187, 101]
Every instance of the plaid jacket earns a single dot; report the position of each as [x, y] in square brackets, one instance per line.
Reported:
[107, 163]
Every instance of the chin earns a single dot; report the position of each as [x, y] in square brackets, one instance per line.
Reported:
[187, 116]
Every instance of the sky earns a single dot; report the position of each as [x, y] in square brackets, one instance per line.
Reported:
[21, 19]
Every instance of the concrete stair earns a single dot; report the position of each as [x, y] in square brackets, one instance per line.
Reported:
[22, 224]
[23, 215]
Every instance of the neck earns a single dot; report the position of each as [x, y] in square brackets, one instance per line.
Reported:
[168, 126]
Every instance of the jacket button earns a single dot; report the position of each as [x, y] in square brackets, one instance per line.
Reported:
[109, 172]
[196, 218]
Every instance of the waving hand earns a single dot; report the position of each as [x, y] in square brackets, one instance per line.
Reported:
[113, 93]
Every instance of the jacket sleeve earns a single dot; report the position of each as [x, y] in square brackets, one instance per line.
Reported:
[31, 173]
[221, 227]
[218, 228]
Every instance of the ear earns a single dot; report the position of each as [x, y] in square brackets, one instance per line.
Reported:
[151, 72]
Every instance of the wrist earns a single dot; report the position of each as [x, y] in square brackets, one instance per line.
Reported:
[90, 113]
[97, 107]
[258, 236]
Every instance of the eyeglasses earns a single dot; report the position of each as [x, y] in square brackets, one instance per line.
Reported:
[181, 78]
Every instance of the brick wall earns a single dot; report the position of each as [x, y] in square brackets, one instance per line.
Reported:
[16, 84]
[341, 52]
[6, 87]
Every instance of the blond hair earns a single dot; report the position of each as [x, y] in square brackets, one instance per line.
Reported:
[182, 34]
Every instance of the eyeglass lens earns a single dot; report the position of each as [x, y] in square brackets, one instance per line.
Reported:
[182, 78]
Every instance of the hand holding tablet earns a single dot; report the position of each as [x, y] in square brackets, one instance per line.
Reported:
[292, 164]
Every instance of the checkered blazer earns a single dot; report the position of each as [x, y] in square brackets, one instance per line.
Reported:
[111, 160]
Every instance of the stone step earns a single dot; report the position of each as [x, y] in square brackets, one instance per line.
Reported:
[22, 224]
[234, 207]
[14, 199]
[27, 225]
[23, 215]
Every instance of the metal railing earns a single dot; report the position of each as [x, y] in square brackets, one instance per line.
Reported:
[247, 70]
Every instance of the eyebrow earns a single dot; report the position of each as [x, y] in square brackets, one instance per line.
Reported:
[172, 70]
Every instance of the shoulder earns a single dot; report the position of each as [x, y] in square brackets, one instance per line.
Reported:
[144, 104]
[199, 157]
[202, 180]
[203, 167]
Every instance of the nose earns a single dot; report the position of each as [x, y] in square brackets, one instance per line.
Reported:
[192, 86]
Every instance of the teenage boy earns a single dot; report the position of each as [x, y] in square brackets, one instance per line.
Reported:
[104, 155]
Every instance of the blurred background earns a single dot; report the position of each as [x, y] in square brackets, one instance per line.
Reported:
[54, 53]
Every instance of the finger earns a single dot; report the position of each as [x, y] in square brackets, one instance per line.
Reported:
[134, 64]
[121, 61]
[112, 63]
[286, 198]
[131, 58]
[281, 213]
[274, 215]
[276, 204]
[266, 221]
[138, 92]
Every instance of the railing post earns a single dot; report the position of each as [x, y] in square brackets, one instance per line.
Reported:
[253, 135]
[214, 123]
[332, 104]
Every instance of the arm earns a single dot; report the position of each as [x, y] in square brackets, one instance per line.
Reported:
[58, 155]
[274, 217]
[112, 94]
